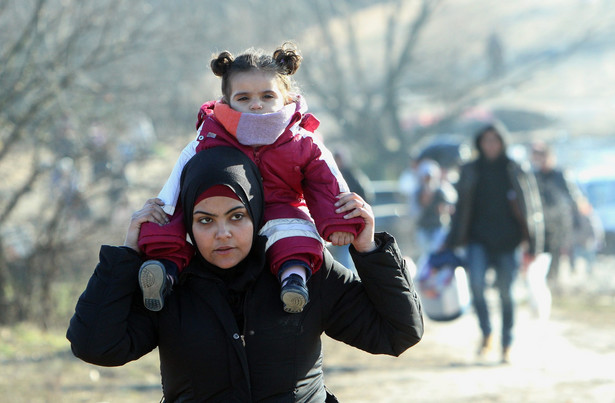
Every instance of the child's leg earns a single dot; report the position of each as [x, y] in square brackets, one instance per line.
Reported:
[286, 243]
[168, 253]
[293, 277]
[297, 267]
[167, 241]
[293, 260]
[294, 252]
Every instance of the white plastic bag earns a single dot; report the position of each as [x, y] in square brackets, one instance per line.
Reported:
[443, 288]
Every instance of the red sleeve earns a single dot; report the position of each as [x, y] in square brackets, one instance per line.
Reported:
[322, 183]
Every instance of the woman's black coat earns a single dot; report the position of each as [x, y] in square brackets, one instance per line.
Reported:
[277, 356]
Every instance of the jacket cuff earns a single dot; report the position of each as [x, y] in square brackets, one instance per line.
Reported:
[382, 239]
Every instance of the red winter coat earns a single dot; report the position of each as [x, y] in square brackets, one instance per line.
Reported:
[298, 173]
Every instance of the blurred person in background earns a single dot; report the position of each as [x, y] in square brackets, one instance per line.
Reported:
[409, 183]
[559, 207]
[495, 219]
[494, 51]
[66, 186]
[359, 183]
[588, 237]
[435, 199]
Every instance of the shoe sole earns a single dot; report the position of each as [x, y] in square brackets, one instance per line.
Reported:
[293, 302]
[151, 280]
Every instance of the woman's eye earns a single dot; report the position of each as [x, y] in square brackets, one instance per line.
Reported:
[268, 96]
[238, 216]
[205, 220]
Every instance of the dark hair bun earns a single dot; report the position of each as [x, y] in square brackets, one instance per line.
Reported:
[288, 58]
[222, 63]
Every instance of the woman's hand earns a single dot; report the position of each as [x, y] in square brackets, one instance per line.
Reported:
[354, 206]
[151, 212]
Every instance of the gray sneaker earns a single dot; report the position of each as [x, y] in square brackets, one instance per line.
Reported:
[153, 282]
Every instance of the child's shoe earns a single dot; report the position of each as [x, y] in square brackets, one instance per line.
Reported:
[294, 293]
[154, 284]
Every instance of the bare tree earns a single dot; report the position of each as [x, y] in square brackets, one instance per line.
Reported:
[367, 69]
[56, 56]
[361, 85]
[76, 75]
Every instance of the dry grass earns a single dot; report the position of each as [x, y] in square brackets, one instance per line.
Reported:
[37, 366]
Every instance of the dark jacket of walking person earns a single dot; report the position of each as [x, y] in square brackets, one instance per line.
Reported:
[223, 336]
[497, 211]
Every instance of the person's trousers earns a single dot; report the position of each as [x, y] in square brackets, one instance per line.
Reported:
[506, 266]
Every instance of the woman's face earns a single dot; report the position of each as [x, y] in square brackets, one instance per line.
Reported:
[223, 230]
[256, 91]
[491, 144]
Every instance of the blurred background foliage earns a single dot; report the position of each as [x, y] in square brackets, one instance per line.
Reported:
[97, 99]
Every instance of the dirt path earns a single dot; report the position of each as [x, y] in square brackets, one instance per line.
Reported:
[551, 362]
[570, 358]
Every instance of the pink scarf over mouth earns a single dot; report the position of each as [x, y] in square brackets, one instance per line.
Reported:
[254, 129]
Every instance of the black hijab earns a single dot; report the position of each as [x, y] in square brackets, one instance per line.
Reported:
[229, 167]
[222, 166]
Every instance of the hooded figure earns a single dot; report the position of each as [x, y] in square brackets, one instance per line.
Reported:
[498, 210]
[510, 198]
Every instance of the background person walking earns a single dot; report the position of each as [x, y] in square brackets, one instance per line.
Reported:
[494, 216]
[561, 215]
[436, 200]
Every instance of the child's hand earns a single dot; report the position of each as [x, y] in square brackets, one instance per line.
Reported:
[340, 238]
[354, 206]
[151, 212]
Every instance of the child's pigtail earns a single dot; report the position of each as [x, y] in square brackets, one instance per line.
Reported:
[222, 64]
[288, 58]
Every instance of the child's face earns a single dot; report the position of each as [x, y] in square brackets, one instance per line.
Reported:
[256, 92]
